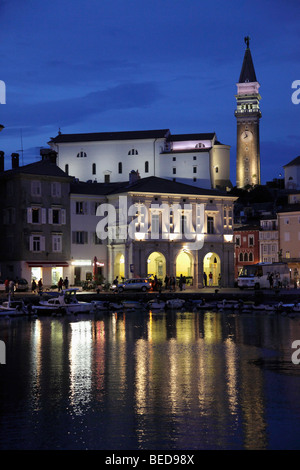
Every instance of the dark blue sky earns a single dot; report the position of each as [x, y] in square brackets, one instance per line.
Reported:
[117, 65]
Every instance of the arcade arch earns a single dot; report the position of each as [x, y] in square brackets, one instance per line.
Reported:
[156, 265]
[212, 264]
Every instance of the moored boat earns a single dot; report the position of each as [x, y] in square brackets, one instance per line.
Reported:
[65, 302]
[175, 303]
[12, 308]
[156, 304]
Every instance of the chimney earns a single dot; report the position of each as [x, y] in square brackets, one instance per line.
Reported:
[14, 160]
[49, 154]
[1, 160]
[134, 176]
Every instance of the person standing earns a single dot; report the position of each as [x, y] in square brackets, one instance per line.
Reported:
[60, 284]
[33, 286]
[210, 276]
[205, 279]
[11, 287]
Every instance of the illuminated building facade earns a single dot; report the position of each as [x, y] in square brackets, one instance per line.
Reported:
[247, 114]
[196, 159]
[246, 246]
[35, 216]
[162, 227]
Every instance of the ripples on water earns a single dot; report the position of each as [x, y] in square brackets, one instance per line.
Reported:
[150, 381]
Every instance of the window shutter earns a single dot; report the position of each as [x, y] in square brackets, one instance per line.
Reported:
[63, 216]
[50, 216]
[31, 243]
[85, 208]
[42, 241]
[85, 234]
[43, 216]
[29, 215]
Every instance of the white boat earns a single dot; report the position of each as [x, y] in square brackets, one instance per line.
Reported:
[100, 305]
[175, 303]
[228, 305]
[132, 304]
[12, 308]
[65, 302]
[156, 304]
[115, 306]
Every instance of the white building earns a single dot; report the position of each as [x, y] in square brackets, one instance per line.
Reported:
[268, 240]
[195, 159]
[292, 174]
[168, 219]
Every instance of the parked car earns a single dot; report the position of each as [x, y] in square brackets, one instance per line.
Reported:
[133, 284]
[21, 285]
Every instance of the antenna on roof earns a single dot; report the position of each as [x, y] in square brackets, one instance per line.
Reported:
[21, 150]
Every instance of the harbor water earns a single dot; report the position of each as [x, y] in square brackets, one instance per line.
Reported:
[173, 380]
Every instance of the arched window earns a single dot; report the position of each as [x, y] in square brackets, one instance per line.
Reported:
[133, 152]
[241, 257]
[81, 154]
[120, 167]
[146, 167]
[246, 257]
[67, 168]
[250, 256]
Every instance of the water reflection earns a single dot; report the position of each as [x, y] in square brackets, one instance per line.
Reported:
[176, 380]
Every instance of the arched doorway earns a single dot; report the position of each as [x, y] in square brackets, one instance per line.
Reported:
[212, 264]
[156, 265]
[119, 266]
[184, 266]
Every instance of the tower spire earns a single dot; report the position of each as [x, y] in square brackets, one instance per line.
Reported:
[248, 71]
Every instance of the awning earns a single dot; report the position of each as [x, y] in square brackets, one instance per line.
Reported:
[47, 264]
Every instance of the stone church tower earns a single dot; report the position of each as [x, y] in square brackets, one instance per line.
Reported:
[247, 115]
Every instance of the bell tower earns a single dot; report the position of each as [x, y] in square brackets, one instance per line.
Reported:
[247, 115]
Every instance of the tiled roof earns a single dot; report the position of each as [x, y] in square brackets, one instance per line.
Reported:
[109, 136]
[294, 162]
[152, 184]
[40, 168]
[196, 137]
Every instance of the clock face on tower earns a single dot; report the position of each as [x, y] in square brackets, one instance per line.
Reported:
[246, 136]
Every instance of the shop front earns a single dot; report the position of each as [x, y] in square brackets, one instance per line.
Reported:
[48, 272]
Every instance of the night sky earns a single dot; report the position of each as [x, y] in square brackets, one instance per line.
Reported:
[118, 65]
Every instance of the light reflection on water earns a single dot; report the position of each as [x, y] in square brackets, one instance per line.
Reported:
[176, 380]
